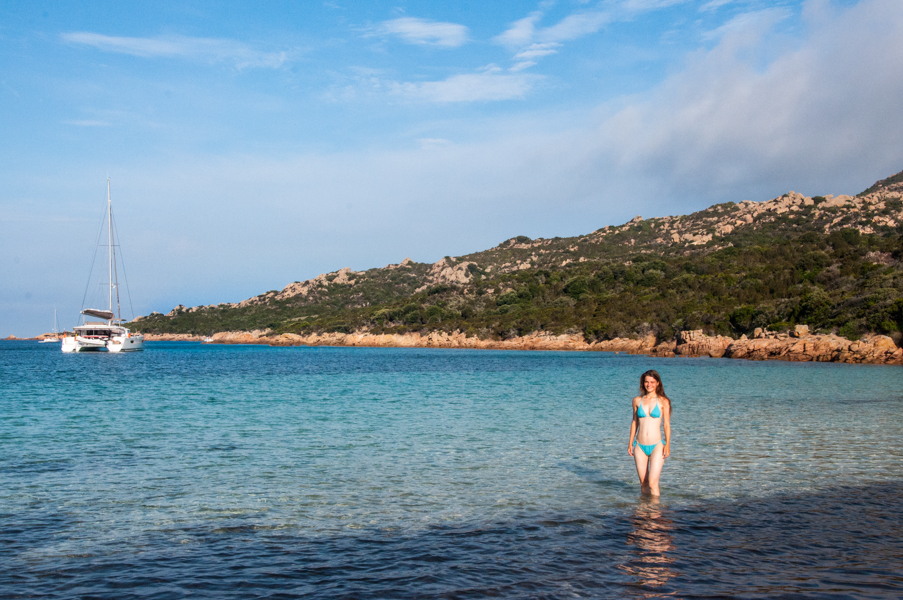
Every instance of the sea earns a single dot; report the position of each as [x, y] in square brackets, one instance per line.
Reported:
[209, 471]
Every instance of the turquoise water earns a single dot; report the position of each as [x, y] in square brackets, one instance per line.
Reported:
[171, 472]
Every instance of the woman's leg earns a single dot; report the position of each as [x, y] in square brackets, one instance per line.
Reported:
[655, 464]
[642, 461]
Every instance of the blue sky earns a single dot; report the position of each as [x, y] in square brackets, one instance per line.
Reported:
[255, 144]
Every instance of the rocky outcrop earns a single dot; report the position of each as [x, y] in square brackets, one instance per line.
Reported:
[438, 339]
[405, 264]
[258, 336]
[799, 346]
[150, 316]
[302, 288]
[644, 345]
[865, 211]
[435, 339]
[877, 349]
[172, 337]
[696, 343]
[447, 270]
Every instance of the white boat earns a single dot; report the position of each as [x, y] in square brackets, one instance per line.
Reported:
[107, 335]
[55, 332]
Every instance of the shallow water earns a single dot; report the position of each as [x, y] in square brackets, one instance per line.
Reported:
[245, 471]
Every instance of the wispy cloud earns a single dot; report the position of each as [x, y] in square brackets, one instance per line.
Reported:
[646, 5]
[422, 31]
[574, 26]
[526, 36]
[524, 32]
[210, 50]
[490, 85]
[520, 66]
[537, 50]
[531, 42]
[752, 23]
[520, 33]
[713, 5]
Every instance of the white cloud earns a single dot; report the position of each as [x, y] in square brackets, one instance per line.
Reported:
[520, 66]
[636, 6]
[533, 43]
[810, 118]
[713, 5]
[176, 46]
[537, 51]
[490, 85]
[523, 33]
[422, 31]
[752, 23]
[520, 33]
[574, 26]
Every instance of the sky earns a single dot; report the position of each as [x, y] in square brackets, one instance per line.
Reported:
[253, 144]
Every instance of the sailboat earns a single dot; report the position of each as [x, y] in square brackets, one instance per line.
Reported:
[107, 335]
[54, 333]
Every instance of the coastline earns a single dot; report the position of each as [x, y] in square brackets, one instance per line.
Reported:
[798, 347]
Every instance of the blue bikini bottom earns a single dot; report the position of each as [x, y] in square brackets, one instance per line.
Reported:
[647, 448]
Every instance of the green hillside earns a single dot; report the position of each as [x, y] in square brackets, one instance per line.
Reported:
[835, 264]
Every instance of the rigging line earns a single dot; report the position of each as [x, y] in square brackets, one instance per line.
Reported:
[94, 258]
[125, 275]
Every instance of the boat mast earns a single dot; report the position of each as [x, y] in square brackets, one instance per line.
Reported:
[110, 246]
[114, 268]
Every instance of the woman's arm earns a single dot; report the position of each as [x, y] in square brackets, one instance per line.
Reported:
[666, 422]
[633, 428]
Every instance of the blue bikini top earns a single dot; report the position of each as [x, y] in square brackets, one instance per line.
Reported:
[656, 412]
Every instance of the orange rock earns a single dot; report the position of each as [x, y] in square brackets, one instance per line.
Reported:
[877, 349]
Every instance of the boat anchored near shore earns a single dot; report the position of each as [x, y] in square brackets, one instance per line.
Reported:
[54, 336]
[107, 335]
[102, 336]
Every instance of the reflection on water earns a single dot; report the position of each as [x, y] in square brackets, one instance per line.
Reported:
[651, 540]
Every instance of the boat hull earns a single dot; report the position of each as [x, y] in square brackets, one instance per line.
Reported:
[130, 343]
[116, 343]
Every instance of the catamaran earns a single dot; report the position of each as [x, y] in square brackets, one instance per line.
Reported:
[107, 335]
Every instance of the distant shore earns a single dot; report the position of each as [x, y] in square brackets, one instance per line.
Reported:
[799, 346]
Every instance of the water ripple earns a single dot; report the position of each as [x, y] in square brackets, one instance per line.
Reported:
[224, 472]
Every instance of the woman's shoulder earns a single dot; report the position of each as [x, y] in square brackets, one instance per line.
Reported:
[637, 399]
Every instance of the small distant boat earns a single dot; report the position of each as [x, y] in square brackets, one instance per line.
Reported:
[55, 332]
[108, 335]
[207, 340]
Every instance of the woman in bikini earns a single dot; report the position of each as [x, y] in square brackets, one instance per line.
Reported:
[649, 449]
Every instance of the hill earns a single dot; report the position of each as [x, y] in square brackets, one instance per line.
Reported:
[832, 263]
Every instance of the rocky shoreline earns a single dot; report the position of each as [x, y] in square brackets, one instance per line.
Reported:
[799, 346]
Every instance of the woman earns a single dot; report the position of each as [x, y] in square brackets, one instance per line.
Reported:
[646, 445]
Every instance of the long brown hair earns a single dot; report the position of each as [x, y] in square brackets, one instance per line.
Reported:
[659, 390]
